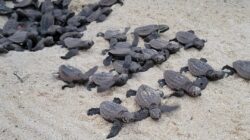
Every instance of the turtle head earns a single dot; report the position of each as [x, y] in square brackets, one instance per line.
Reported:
[163, 28]
[122, 79]
[159, 58]
[199, 43]
[194, 91]
[127, 117]
[155, 113]
[215, 75]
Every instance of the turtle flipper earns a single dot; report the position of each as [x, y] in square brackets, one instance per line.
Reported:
[116, 128]
[130, 93]
[153, 35]
[141, 114]
[229, 70]
[90, 85]
[107, 61]
[174, 39]
[161, 82]
[117, 100]
[100, 34]
[69, 85]
[201, 82]
[179, 93]
[189, 45]
[89, 73]
[121, 2]
[127, 62]
[113, 42]
[203, 60]
[135, 40]
[184, 69]
[93, 111]
[166, 108]
[148, 64]
[104, 52]
[71, 53]
[126, 29]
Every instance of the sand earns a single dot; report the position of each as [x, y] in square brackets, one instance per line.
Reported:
[39, 109]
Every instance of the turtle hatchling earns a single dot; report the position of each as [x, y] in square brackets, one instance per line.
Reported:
[180, 84]
[149, 98]
[241, 67]
[105, 81]
[117, 114]
[201, 69]
[189, 40]
[72, 75]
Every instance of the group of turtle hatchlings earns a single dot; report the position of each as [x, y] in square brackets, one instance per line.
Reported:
[33, 25]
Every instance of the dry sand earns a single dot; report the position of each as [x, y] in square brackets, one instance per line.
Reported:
[39, 109]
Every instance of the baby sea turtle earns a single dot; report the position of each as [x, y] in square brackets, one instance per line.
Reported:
[160, 44]
[241, 67]
[117, 114]
[105, 81]
[108, 3]
[189, 39]
[114, 36]
[200, 68]
[129, 67]
[72, 75]
[180, 83]
[149, 32]
[149, 98]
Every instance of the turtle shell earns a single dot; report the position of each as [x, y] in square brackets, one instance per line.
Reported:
[146, 30]
[19, 37]
[122, 45]
[243, 68]
[120, 51]
[158, 44]
[72, 43]
[149, 53]
[111, 33]
[175, 80]
[111, 111]
[103, 78]
[69, 73]
[185, 37]
[147, 96]
[107, 2]
[198, 67]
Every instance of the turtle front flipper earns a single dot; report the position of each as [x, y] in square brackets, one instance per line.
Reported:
[166, 108]
[107, 61]
[141, 114]
[113, 41]
[162, 82]
[116, 128]
[189, 45]
[201, 82]
[90, 85]
[93, 111]
[178, 93]
[135, 40]
[229, 70]
[71, 53]
[152, 36]
[184, 69]
[69, 85]
[121, 2]
[130, 93]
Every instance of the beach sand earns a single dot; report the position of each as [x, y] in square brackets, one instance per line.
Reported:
[39, 109]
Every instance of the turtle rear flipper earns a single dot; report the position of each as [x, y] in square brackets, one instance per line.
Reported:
[116, 128]
[201, 82]
[71, 53]
[162, 82]
[130, 93]
[117, 100]
[141, 114]
[93, 111]
[229, 70]
[184, 69]
[166, 108]
[69, 85]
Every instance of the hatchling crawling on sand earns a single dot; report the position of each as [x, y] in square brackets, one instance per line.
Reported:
[105, 81]
[201, 69]
[114, 36]
[149, 98]
[241, 67]
[180, 84]
[149, 32]
[189, 40]
[72, 75]
[117, 114]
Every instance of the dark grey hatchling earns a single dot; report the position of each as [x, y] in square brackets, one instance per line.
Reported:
[150, 99]
[189, 40]
[114, 36]
[180, 84]
[201, 69]
[72, 75]
[148, 32]
[241, 67]
[117, 114]
[105, 81]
